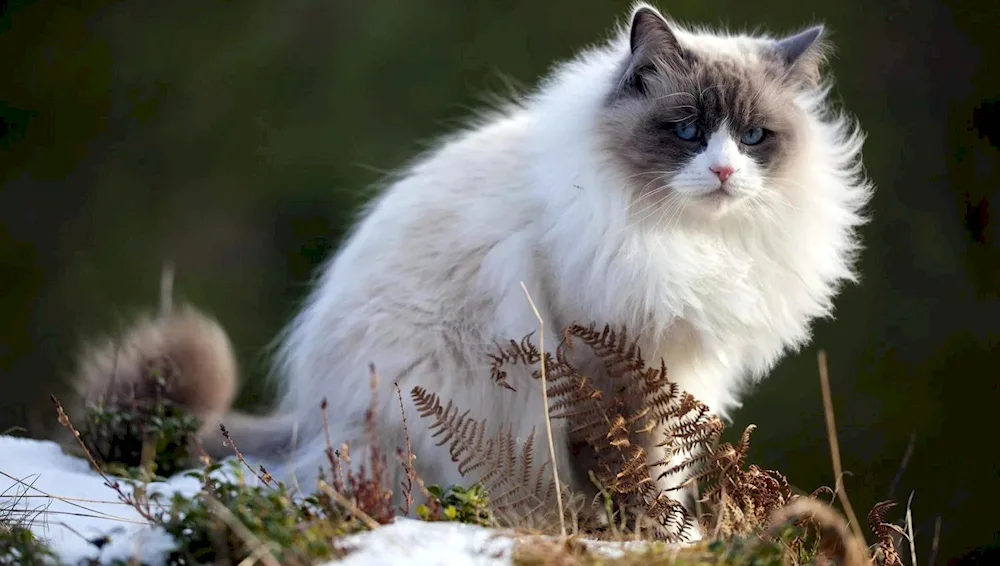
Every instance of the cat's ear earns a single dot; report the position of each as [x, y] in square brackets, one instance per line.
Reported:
[652, 42]
[802, 55]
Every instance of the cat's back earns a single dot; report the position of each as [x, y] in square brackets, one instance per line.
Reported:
[471, 179]
[424, 239]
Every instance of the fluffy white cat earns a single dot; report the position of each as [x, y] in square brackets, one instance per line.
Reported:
[693, 185]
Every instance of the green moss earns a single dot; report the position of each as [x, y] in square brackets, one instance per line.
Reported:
[18, 545]
[230, 520]
[457, 504]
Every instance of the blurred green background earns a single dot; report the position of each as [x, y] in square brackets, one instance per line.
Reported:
[237, 139]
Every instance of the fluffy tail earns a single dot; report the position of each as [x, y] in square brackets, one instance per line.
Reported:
[202, 380]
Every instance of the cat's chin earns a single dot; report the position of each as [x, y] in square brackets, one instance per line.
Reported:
[716, 202]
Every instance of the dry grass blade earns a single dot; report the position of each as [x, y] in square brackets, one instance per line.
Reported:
[406, 457]
[936, 540]
[831, 431]
[902, 465]
[167, 289]
[243, 532]
[71, 501]
[349, 505]
[909, 531]
[545, 404]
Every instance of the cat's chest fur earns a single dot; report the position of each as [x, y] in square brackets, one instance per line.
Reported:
[719, 285]
[716, 307]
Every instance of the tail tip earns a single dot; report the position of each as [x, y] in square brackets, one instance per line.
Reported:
[185, 348]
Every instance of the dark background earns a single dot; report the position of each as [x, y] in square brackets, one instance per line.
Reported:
[237, 138]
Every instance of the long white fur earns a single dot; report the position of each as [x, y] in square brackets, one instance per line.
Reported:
[430, 277]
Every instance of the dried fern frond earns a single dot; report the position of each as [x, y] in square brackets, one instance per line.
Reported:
[506, 471]
[525, 354]
[616, 414]
[620, 356]
[885, 551]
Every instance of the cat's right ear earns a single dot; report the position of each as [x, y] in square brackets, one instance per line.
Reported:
[652, 44]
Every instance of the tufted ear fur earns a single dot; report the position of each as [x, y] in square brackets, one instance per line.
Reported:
[803, 55]
[653, 43]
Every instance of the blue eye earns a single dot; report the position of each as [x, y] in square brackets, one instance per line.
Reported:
[687, 131]
[753, 136]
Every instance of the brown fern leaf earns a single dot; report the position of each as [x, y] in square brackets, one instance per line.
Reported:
[742, 499]
[669, 512]
[608, 415]
[885, 552]
[457, 430]
[573, 399]
[744, 445]
[823, 490]
[513, 353]
[700, 461]
[620, 357]
[495, 462]
[704, 437]
[500, 461]
[690, 424]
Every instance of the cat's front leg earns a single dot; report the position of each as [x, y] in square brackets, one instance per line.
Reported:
[658, 455]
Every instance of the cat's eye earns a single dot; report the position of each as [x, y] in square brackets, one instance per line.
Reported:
[752, 136]
[686, 131]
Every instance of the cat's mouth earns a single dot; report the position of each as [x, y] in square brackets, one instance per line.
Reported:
[719, 200]
[719, 193]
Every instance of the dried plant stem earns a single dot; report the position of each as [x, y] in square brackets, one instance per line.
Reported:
[64, 421]
[261, 551]
[545, 405]
[348, 505]
[71, 501]
[902, 465]
[831, 431]
[408, 455]
[909, 531]
[167, 289]
[936, 540]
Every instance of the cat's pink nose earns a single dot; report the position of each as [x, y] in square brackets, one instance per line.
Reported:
[723, 172]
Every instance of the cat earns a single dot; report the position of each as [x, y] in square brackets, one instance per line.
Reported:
[696, 186]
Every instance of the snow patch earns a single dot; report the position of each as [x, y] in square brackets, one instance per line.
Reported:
[69, 505]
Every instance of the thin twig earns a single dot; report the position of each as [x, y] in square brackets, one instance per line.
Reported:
[937, 539]
[64, 499]
[545, 404]
[831, 431]
[261, 475]
[167, 289]
[408, 466]
[909, 531]
[349, 505]
[104, 517]
[907, 454]
[94, 513]
[243, 532]
[64, 421]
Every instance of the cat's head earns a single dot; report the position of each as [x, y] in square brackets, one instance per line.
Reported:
[709, 122]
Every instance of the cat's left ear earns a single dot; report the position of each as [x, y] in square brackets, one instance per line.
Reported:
[802, 55]
[653, 45]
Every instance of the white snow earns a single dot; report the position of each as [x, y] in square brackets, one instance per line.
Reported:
[69, 505]
[408, 542]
